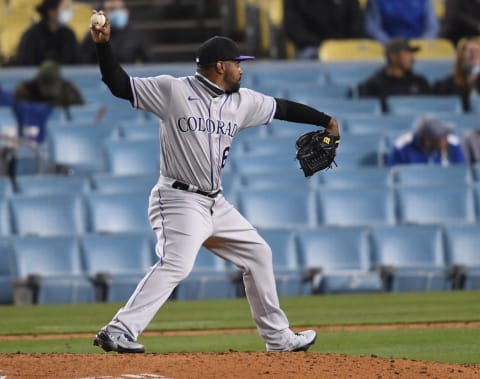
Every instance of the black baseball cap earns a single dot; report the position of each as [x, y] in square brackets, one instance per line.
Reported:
[219, 49]
[395, 45]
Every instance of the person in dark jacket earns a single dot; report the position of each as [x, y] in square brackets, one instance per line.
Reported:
[462, 19]
[397, 76]
[129, 44]
[465, 79]
[50, 38]
[308, 23]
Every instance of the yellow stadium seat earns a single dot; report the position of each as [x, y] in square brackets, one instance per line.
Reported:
[9, 40]
[15, 4]
[439, 6]
[433, 48]
[80, 23]
[351, 50]
[14, 17]
[363, 3]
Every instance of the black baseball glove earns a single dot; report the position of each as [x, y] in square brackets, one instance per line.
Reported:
[316, 151]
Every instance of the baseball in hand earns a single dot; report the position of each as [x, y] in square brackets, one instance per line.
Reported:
[97, 19]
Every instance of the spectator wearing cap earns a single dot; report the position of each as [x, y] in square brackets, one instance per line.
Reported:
[49, 87]
[129, 44]
[50, 38]
[464, 81]
[397, 76]
[387, 19]
[431, 141]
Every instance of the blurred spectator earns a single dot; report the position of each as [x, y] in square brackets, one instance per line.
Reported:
[49, 87]
[471, 144]
[128, 44]
[397, 76]
[50, 38]
[465, 79]
[431, 141]
[462, 19]
[386, 19]
[308, 23]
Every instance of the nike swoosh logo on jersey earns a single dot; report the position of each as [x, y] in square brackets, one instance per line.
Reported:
[190, 98]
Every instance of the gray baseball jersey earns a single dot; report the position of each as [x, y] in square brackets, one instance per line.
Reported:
[197, 129]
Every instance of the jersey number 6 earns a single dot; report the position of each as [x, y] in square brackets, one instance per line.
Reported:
[225, 156]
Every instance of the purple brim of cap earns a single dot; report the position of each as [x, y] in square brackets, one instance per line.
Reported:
[244, 58]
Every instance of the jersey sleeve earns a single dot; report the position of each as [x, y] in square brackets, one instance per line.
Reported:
[258, 108]
[152, 94]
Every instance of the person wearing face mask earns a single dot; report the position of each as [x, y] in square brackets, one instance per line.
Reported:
[464, 81]
[129, 45]
[50, 38]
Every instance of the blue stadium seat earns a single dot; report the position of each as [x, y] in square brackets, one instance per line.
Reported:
[348, 73]
[140, 131]
[464, 123]
[310, 92]
[350, 206]
[209, 279]
[286, 262]
[476, 171]
[116, 263]
[279, 208]
[411, 258]
[270, 145]
[338, 260]
[80, 148]
[230, 182]
[433, 70]
[274, 163]
[5, 187]
[275, 181]
[358, 177]
[52, 184]
[111, 183]
[47, 215]
[51, 268]
[431, 175]
[375, 124]
[6, 272]
[410, 105]
[5, 223]
[463, 256]
[283, 77]
[348, 107]
[436, 204]
[285, 129]
[118, 212]
[133, 157]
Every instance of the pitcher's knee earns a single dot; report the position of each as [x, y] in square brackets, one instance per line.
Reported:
[261, 257]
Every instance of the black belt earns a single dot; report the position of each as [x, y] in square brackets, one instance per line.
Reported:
[185, 187]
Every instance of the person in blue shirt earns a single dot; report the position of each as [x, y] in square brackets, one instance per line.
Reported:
[430, 142]
[386, 19]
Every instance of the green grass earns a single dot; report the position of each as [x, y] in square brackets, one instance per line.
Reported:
[459, 345]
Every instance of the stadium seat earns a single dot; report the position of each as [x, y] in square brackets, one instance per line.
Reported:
[434, 48]
[49, 270]
[350, 206]
[411, 258]
[431, 175]
[433, 70]
[464, 123]
[421, 104]
[5, 186]
[52, 184]
[270, 145]
[284, 77]
[476, 171]
[80, 148]
[276, 181]
[287, 267]
[286, 129]
[272, 163]
[140, 131]
[116, 263]
[307, 93]
[133, 157]
[462, 255]
[118, 212]
[5, 224]
[338, 260]
[351, 50]
[6, 272]
[346, 73]
[351, 159]
[375, 124]
[47, 215]
[436, 204]
[358, 177]
[348, 107]
[279, 208]
[209, 279]
[111, 183]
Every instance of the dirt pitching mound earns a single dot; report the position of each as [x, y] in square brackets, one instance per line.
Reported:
[224, 365]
